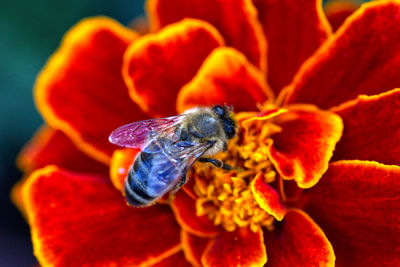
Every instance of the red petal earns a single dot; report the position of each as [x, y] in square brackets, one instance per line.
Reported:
[50, 146]
[294, 31]
[121, 162]
[267, 197]
[189, 188]
[193, 247]
[298, 242]
[357, 203]
[80, 90]
[225, 77]
[184, 208]
[158, 65]
[82, 220]
[371, 129]
[239, 248]
[176, 260]
[363, 57]
[337, 11]
[235, 20]
[302, 150]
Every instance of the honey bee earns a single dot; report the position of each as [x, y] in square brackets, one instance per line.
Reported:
[169, 147]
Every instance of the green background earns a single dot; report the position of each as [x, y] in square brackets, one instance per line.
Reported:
[30, 30]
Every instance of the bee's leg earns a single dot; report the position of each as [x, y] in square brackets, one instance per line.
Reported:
[225, 147]
[182, 182]
[217, 163]
[179, 185]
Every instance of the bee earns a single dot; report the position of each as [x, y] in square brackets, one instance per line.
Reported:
[169, 147]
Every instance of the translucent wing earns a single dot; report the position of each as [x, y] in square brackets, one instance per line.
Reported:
[186, 153]
[170, 166]
[137, 134]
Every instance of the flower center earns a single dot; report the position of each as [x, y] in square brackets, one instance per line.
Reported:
[225, 197]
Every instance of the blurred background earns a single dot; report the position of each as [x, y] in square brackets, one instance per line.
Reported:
[30, 30]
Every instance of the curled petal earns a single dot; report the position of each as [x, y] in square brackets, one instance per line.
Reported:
[80, 90]
[81, 220]
[236, 20]
[53, 147]
[338, 11]
[298, 242]
[294, 30]
[193, 246]
[267, 197]
[226, 77]
[357, 203]
[184, 208]
[239, 248]
[121, 162]
[302, 150]
[157, 65]
[363, 57]
[371, 128]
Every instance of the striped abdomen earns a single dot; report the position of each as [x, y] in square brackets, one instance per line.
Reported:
[153, 174]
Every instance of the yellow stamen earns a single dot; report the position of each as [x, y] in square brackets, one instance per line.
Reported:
[224, 196]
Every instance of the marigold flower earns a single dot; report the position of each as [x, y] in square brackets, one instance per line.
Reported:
[316, 177]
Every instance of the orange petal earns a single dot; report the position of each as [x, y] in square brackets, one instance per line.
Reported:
[16, 197]
[235, 20]
[49, 146]
[267, 197]
[299, 242]
[157, 65]
[121, 162]
[266, 114]
[225, 77]
[337, 11]
[294, 30]
[80, 90]
[302, 150]
[81, 220]
[184, 208]
[372, 128]
[239, 248]
[363, 57]
[357, 203]
[193, 246]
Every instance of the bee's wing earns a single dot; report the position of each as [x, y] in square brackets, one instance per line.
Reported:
[186, 153]
[169, 167]
[137, 134]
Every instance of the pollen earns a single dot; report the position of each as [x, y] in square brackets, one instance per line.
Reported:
[225, 197]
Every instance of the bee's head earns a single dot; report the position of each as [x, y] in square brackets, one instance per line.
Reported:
[224, 114]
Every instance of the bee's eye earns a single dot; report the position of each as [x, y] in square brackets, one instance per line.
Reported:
[229, 130]
[219, 110]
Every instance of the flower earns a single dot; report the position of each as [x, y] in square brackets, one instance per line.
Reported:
[317, 155]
